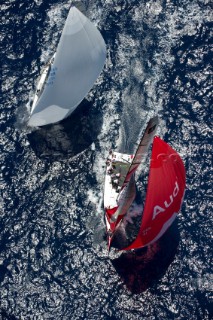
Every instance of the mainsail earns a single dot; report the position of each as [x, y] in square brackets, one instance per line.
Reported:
[120, 188]
[136, 160]
[78, 61]
[164, 196]
[142, 148]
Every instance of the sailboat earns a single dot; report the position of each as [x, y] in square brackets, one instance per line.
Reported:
[164, 196]
[71, 72]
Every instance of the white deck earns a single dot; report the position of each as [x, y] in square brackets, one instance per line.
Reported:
[117, 167]
[41, 82]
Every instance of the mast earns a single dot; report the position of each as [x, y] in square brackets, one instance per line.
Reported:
[128, 191]
[142, 148]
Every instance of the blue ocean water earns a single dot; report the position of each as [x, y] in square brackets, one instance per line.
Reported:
[54, 262]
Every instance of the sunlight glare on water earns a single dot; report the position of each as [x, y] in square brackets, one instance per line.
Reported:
[54, 262]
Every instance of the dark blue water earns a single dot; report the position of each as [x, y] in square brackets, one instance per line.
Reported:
[54, 262]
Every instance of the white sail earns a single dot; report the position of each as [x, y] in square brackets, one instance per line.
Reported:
[78, 61]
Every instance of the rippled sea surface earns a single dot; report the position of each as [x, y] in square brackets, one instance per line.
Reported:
[54, 262]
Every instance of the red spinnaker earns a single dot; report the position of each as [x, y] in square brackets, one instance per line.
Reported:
[165, 193]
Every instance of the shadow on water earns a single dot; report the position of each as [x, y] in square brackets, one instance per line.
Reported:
[141, 269]
[5, 316]
[69, 137]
